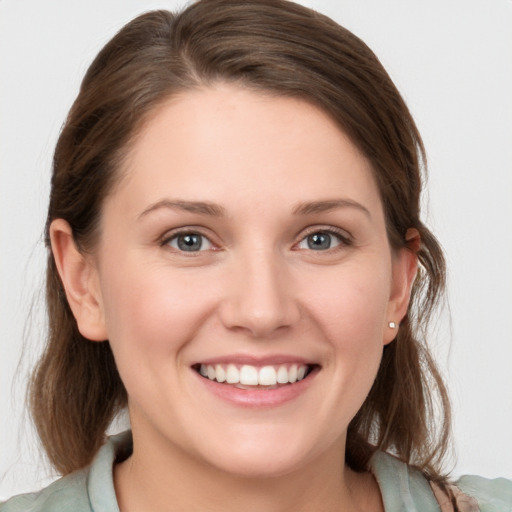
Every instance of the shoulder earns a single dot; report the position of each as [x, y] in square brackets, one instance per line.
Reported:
[88, 490]
[405, 488]
[67, 493]
[491, 495]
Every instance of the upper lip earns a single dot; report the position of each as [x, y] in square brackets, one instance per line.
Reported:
[245, 359]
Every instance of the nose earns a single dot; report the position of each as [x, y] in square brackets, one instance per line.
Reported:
[259, 296]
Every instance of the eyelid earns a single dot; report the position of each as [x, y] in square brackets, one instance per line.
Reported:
[165, 239]
[344, 236]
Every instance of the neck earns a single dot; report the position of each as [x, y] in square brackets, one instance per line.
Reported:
[170, 479]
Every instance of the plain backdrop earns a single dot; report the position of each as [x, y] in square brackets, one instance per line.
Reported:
[452, 61]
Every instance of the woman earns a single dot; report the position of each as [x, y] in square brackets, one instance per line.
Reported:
[235, 208]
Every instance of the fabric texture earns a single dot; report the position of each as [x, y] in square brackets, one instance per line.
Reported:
[404, 489]
[451, 496]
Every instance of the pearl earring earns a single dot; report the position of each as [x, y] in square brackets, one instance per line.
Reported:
[392, 325]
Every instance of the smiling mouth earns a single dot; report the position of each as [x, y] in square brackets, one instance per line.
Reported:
[253, 377]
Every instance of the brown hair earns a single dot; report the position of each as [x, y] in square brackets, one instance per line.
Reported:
[278, 47]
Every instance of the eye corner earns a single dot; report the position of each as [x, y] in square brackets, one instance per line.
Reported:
[188, 242]
[324, 239]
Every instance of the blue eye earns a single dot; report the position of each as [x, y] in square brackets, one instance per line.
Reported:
[189, 242]
[320, 241]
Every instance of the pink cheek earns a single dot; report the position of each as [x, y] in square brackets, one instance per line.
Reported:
[159, 314]
[350, 318]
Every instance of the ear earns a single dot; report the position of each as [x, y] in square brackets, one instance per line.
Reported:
[79, 277]
[405, 267]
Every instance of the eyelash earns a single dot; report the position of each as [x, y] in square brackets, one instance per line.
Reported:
[168, 238]
[343, 237]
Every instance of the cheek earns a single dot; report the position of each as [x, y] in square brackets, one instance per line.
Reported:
[151, 317]
[351, 314]
[351, 305]
[151, 313]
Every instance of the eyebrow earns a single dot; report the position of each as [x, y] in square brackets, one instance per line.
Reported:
[308, 208]
[199, 207]
[215, 210]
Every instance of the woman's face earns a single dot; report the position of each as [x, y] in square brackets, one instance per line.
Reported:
[245, 241]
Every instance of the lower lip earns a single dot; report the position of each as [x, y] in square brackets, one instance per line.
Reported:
[258, 398]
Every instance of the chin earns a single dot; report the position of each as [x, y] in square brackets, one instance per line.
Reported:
[258, 464]
[262, 454]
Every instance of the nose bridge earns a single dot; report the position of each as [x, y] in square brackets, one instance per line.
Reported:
[260, 297]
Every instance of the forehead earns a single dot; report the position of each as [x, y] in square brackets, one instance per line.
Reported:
[231, 144]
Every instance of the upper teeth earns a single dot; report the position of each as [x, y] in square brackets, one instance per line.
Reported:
[249, 375]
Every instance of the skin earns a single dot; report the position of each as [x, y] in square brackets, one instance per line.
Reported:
[256, 288]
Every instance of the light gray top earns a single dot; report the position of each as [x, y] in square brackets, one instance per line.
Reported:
[403, 489]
